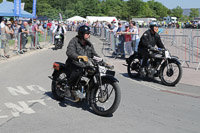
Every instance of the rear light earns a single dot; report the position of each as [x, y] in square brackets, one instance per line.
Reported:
[56, 66]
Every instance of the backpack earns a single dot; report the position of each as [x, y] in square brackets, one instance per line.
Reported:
[45, 26]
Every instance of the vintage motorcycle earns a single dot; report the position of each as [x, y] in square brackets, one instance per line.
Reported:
[58, 41]
[161, 64]
[97, 85]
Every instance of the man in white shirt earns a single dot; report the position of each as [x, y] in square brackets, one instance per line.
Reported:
[60, 29]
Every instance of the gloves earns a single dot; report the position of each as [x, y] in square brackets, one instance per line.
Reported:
[85, 58]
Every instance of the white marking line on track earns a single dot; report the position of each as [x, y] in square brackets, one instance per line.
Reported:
[157, 88]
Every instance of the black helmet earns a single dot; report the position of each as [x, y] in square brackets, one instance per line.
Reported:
[153, 24]
[83, 30]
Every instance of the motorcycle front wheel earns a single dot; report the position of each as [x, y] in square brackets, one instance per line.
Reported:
[107, 102]
[171, 73]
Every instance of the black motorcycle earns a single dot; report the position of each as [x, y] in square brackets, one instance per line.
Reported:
[97, 85]
[58, 41]
[161, 64]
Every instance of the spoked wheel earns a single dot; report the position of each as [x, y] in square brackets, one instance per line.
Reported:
[57, 91]
[134, 67]
[106, 102]
[171, 73]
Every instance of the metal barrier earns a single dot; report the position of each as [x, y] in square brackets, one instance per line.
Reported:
[196, 51]
[34, 39]
[178, 45]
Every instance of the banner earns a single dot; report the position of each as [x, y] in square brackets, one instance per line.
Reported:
[17, 7]
[60, 16]
[22, 6]
[34, 8]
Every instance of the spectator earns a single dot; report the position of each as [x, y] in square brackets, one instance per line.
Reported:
[135, 36]
[6, 36]
[121, 41]
[31, 32]
[128, 40]
[23, 30]
[36, 31]
[16, 33]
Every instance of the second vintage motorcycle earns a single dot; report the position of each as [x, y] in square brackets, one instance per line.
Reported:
[161, 64]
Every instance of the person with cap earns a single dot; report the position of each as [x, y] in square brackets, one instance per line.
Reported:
[60, 29]
[79, 47]
[6, 36]
[149, 40]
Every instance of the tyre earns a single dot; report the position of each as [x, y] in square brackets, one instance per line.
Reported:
[171, 74]
[57, 92]
[134, 67]
[107, 103]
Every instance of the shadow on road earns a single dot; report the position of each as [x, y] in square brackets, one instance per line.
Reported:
[146, 79]
[81, 104]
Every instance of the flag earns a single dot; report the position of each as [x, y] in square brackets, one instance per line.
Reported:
[34, 8]
[60, 16]
[17, 7]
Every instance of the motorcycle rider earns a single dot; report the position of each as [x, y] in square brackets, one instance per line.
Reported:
[60, 29]
[148, 41]
[78, 48]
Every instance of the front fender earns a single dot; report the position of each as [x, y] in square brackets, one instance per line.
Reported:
[173, 59]
[109, 78]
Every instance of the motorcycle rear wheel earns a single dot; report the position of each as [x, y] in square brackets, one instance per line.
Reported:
[108, 103]
[57, 93]
[134, 67]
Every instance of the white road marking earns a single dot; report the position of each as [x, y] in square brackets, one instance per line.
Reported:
[16, 109]
[15, 91]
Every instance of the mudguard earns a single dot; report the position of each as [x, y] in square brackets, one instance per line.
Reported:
[173, 59]
[109, 78]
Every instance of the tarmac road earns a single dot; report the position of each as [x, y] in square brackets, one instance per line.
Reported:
[26, 103]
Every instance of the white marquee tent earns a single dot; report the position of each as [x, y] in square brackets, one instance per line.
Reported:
[76, 18]
[92, 19]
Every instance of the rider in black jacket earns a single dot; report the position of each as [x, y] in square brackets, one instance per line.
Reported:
[149, 40]
[79, 48]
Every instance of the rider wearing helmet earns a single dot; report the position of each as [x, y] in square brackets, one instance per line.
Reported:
[149, 40]
[79, 48]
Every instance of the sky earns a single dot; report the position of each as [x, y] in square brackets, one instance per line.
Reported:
[170, 4]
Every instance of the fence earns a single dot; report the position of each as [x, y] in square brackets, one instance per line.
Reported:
[33, 41]
[183, 43]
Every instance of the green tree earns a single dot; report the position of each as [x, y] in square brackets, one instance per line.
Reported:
[177, 12]
[194, 12]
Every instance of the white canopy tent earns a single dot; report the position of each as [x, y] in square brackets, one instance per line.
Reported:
[76, 18]
[92, 19]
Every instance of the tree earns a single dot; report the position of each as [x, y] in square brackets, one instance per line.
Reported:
[194, 12]
[177, 12]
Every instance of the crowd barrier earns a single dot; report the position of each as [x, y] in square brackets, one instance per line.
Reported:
[27, 41]
[183, 43]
